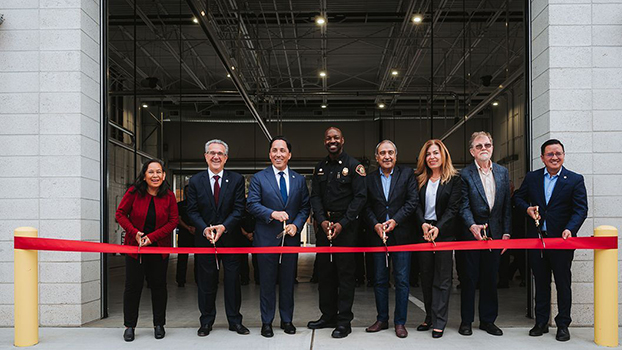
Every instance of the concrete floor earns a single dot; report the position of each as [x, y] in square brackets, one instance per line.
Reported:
[182, 310]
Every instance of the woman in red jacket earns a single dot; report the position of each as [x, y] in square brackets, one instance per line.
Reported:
[148, 214]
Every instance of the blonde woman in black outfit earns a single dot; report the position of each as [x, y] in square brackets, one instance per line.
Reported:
[439, 198]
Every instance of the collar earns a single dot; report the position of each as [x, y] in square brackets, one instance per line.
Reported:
[382, 174]
[339, 158]
[547, 175]
[277, 171]
[479, 168]
[211, 174]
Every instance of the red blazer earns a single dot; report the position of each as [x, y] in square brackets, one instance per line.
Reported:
[132, 213]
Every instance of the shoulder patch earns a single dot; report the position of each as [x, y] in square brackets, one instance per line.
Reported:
[360, 169]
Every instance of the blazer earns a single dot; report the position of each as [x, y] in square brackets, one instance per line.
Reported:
[448, 203]
[400, 207]
[203, 211]
[567, 208]
[132, 213]
[264, 197]
[475, 208]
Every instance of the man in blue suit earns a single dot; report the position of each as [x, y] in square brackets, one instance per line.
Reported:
[556, 199]
[215, 207]
[278, 198]
[486, 212]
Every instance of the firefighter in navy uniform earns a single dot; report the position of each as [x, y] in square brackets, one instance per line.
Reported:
[337, 197]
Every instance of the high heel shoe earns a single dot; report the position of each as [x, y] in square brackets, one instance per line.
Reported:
[436, 334]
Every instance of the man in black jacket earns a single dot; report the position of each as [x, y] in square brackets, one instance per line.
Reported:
[391, 202]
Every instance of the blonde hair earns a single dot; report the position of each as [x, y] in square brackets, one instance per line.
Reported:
[447, 167]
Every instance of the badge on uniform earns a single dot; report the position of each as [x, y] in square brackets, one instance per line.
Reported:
[320, 172]
[345, 171]
[360, 169]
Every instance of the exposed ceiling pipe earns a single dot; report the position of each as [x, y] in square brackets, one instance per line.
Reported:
[196, 7]
[506, 84]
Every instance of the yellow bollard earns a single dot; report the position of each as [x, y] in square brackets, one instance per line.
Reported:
[606, 291]
[26, 292]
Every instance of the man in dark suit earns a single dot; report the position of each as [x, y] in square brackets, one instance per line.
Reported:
[215, 206]
[486, 212]
[556, 198]
[391, 202]
[338, 195]
[278, 198]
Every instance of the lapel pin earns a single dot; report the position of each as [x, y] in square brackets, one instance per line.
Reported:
[565, 177]
[227, 180]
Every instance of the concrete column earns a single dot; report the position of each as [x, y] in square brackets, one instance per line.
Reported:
[49, 149]
[577, 98]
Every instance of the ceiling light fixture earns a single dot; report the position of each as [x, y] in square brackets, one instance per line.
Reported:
[195, 20]
[232, 68]
[381, 105]
[202, 13]
[417, 19]
[145, 105]
[319, 20]
[323, 106]
[496, 103]
[322, 74]
[228, 75]
[394, 73]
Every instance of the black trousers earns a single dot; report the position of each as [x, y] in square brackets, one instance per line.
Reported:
[559, 263]
[208, 286]
[479, 266]
[153, 268]
[436, 275]
[270, 271]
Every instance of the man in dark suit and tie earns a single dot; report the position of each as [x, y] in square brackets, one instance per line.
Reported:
[215, 206]
[486, 212]
[556, 199]
[278, 198]
[391, 201]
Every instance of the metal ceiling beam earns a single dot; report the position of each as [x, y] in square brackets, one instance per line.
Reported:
[197, 8]
[506, 84]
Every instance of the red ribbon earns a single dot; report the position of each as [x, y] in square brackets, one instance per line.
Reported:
[66, 245]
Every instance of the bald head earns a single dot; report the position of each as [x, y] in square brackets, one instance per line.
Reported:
[333, 141]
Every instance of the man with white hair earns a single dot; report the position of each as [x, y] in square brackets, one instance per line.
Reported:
[215, 207]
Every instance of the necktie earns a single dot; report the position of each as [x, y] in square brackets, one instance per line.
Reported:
[216, 189]
[283, 186]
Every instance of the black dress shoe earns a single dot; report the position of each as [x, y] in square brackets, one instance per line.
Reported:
[562, 334]
[288, 327]
[128, 335]
[490, 328]
[266, 330]
[465, 329]
[158, 332]
[538, 330]
[341, 331]
[321, 323]
[239, 328]
[425, 326]
[204, 331]
[437, 334]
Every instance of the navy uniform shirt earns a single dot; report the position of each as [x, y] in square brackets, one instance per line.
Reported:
[338, 186]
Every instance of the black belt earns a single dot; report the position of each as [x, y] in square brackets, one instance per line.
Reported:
[335, 214]
[431, 222]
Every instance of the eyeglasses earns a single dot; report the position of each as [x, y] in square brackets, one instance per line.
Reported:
[212, 153]
[480, 146]
[556, 154]
[384, 153]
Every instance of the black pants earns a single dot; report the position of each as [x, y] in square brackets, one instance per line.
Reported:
[153, 268]
[559, 262]
[436, 275]
[337, 284]
[208, 286]
[479, 266]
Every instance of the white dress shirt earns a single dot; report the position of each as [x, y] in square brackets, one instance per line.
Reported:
[488, 182]
[212, 181]
[278, 177]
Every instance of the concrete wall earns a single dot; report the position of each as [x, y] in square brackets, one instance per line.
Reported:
[49, 149]
[577, 98]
